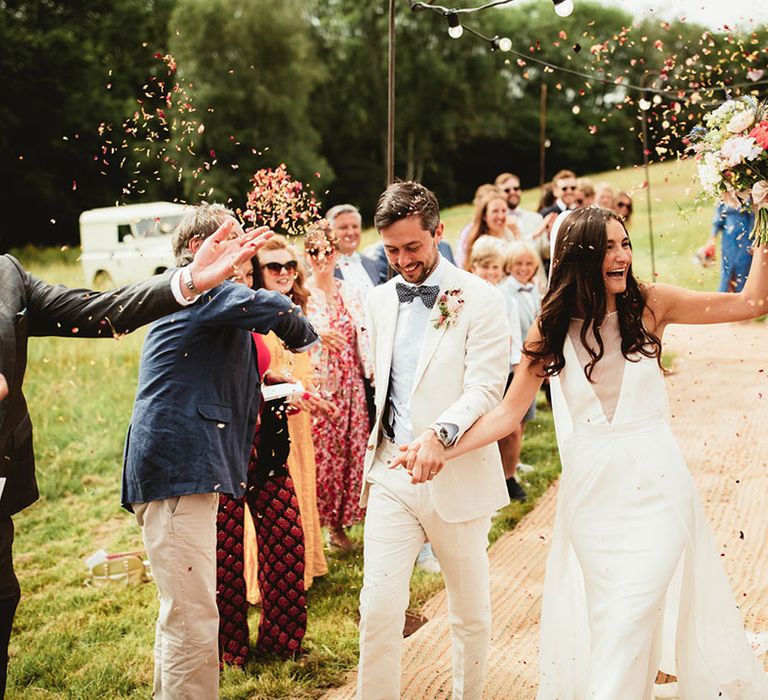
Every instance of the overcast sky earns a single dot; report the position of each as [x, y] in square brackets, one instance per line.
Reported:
[712, 13]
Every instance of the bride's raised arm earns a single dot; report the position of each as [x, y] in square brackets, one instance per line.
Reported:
[672, 304]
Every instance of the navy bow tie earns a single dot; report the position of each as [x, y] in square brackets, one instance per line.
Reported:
[406, 293]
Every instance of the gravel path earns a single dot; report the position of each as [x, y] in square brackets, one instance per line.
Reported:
[719, 405]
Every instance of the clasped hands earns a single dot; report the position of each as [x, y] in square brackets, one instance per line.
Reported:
[422, 459]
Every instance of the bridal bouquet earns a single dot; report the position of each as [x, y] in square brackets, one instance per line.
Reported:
[731, 149]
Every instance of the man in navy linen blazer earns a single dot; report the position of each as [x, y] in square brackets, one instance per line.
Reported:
[189, 440]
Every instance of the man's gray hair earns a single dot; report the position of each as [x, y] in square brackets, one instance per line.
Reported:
[333, 212]
[198, 222]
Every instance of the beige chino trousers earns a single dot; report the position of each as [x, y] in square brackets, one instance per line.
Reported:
[180, 537]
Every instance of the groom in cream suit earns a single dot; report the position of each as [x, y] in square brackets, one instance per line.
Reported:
[441, 349]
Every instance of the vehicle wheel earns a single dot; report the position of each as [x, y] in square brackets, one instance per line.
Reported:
[102, 281]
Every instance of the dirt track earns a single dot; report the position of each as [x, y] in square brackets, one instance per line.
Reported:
[719, 405]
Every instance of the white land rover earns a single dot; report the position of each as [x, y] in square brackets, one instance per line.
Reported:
[127, 244]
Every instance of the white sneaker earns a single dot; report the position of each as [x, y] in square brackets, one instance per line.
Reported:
[427, 561]
[524, 468]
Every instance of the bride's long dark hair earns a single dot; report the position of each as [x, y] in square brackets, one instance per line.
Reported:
[577, 289]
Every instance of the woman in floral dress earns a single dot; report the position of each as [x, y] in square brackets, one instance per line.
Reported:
[336, 311]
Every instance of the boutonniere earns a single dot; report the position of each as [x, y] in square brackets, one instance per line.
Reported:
[449, 305]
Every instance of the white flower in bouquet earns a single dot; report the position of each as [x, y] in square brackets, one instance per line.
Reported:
[739, 149]
[709, 173]
[741, 121]
[722, 115]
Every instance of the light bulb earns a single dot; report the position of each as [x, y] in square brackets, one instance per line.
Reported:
[455, 30]
[644, 104]
[563, 8]
[505, 44]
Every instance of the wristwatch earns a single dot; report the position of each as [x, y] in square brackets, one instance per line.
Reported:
[442, 434]
[186, 280]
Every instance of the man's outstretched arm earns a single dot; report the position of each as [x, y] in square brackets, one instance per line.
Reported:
[58, 310]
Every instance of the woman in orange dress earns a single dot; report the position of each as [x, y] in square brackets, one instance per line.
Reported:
[277, 268]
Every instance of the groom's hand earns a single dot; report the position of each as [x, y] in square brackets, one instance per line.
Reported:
[426, 457]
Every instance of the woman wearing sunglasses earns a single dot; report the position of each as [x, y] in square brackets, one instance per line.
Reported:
[336, 310]
[277, 269]
[623, 207]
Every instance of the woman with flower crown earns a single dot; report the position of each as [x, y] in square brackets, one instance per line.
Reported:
[634, 584]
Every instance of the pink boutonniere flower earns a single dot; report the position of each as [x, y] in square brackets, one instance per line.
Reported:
[449, 305]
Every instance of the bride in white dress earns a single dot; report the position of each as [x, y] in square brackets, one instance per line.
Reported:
[634, 583]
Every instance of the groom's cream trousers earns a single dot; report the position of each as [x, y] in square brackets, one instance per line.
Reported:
[399, 518]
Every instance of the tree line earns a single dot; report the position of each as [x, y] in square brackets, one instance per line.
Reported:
[304, 82]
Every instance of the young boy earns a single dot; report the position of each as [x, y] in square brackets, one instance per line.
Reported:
[522, 264]
[487, 261]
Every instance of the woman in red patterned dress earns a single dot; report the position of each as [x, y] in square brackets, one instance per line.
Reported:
[274, 508]
[336, 311]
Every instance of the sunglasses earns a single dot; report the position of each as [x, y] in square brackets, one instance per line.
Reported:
[624, 205]
[512, 189]
[317, 252]
[276, 268]
[565, 189]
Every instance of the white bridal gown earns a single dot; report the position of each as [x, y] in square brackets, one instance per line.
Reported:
[634, 582]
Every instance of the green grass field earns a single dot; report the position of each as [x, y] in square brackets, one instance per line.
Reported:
[74, 641]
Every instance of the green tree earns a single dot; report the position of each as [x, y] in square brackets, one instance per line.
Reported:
[67, 67]
[251, 69]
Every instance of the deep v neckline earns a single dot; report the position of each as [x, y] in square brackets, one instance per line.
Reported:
[583, 378]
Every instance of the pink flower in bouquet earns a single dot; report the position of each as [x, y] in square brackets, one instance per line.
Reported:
[760, 194]
[760, 134]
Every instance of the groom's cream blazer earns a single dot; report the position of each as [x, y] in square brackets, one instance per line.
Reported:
[460, 376]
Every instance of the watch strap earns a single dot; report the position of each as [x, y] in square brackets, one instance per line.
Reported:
[188, 282]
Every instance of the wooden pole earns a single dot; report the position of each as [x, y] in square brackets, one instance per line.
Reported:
[391, 96]
[647, 80]
[648, 199]
[542, 134]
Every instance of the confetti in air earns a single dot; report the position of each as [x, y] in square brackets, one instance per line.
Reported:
[280, 202]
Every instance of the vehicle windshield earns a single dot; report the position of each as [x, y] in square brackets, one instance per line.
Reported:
[156, 226]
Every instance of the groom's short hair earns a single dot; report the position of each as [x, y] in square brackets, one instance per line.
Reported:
[403, 199]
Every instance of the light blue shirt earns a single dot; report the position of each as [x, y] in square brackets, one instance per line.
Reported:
[528, 301]
[412, 321]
